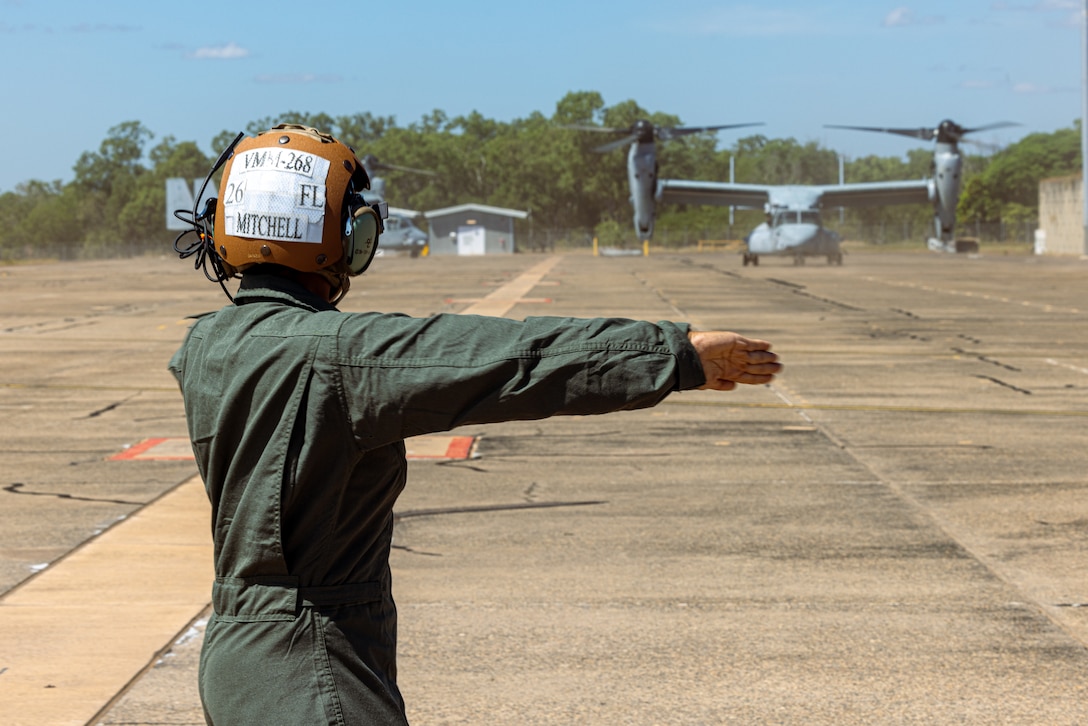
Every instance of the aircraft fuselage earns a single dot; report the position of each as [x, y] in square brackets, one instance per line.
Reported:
[796, 234]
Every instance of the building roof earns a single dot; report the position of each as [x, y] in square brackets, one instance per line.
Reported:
[501, 211]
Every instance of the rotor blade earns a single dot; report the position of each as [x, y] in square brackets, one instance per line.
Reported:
[630, 138]
[990, 127]
[666, 133]
[597, 129]
[920, 133]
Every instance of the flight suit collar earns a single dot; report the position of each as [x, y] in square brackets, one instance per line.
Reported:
[261, 286]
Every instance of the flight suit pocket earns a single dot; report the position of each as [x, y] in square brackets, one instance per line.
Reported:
[256, 599]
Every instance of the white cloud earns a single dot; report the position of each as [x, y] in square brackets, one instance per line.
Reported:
[1041, 88]
[904, 16]
[899, 16]
[230, 51]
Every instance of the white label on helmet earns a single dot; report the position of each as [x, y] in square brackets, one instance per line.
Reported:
[276, 194]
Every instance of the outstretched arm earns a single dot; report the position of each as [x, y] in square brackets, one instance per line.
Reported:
[730, 358]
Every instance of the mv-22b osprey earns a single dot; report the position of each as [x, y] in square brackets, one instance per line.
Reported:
[401, 233]
[793, 227]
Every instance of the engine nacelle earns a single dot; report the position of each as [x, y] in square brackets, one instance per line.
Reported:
[642, 179]
[947, 179]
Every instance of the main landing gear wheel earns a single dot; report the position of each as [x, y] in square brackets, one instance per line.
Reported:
[967, 245]
[750, 258]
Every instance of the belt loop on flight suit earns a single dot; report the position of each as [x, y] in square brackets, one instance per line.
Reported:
[264, 599]
[332, 595]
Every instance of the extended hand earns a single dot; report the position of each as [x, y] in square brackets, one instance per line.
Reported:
[730, 358]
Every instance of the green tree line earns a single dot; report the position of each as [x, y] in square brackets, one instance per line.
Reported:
[115, 203]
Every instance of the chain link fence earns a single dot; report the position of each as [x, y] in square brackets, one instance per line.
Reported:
[673, 237]
[909, 231]
[564, 239]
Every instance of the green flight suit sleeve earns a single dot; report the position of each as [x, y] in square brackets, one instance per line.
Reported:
[405, 376]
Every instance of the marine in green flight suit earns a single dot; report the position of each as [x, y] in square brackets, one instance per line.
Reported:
[297, 414]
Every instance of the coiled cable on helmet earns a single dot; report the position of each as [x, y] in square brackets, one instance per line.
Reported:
[202, 225]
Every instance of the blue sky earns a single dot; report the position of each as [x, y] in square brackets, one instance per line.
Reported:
[73, 70]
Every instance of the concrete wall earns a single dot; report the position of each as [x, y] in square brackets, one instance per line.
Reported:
[1061, 216]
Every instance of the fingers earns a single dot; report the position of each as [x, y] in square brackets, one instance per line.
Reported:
[767, 363]
[757, 363]
[748, 379]
[763, 369]
[755, 358]
[729, 359]
[753, 344]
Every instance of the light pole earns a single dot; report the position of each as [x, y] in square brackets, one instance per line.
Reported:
[1084, 122]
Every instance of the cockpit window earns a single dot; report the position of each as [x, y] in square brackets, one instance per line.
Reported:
[794, 216]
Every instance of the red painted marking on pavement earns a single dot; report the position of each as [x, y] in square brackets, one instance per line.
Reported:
[461, 447]
[518, 301]
[178, 449]
[136, 451]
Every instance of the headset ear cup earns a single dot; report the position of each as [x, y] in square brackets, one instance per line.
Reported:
[361, 245]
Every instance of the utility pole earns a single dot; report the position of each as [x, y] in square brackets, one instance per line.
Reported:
[731, 171]
[842, 178]
[1084, 122]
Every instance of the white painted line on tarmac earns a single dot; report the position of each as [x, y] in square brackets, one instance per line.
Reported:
[499, 302]
[1071, 367]
[77, 633]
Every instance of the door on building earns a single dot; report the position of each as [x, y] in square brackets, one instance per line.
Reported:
[471, 240]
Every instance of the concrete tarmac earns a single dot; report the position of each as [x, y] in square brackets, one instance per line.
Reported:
[892, 532]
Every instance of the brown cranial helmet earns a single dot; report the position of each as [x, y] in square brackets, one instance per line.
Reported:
[291, 196]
